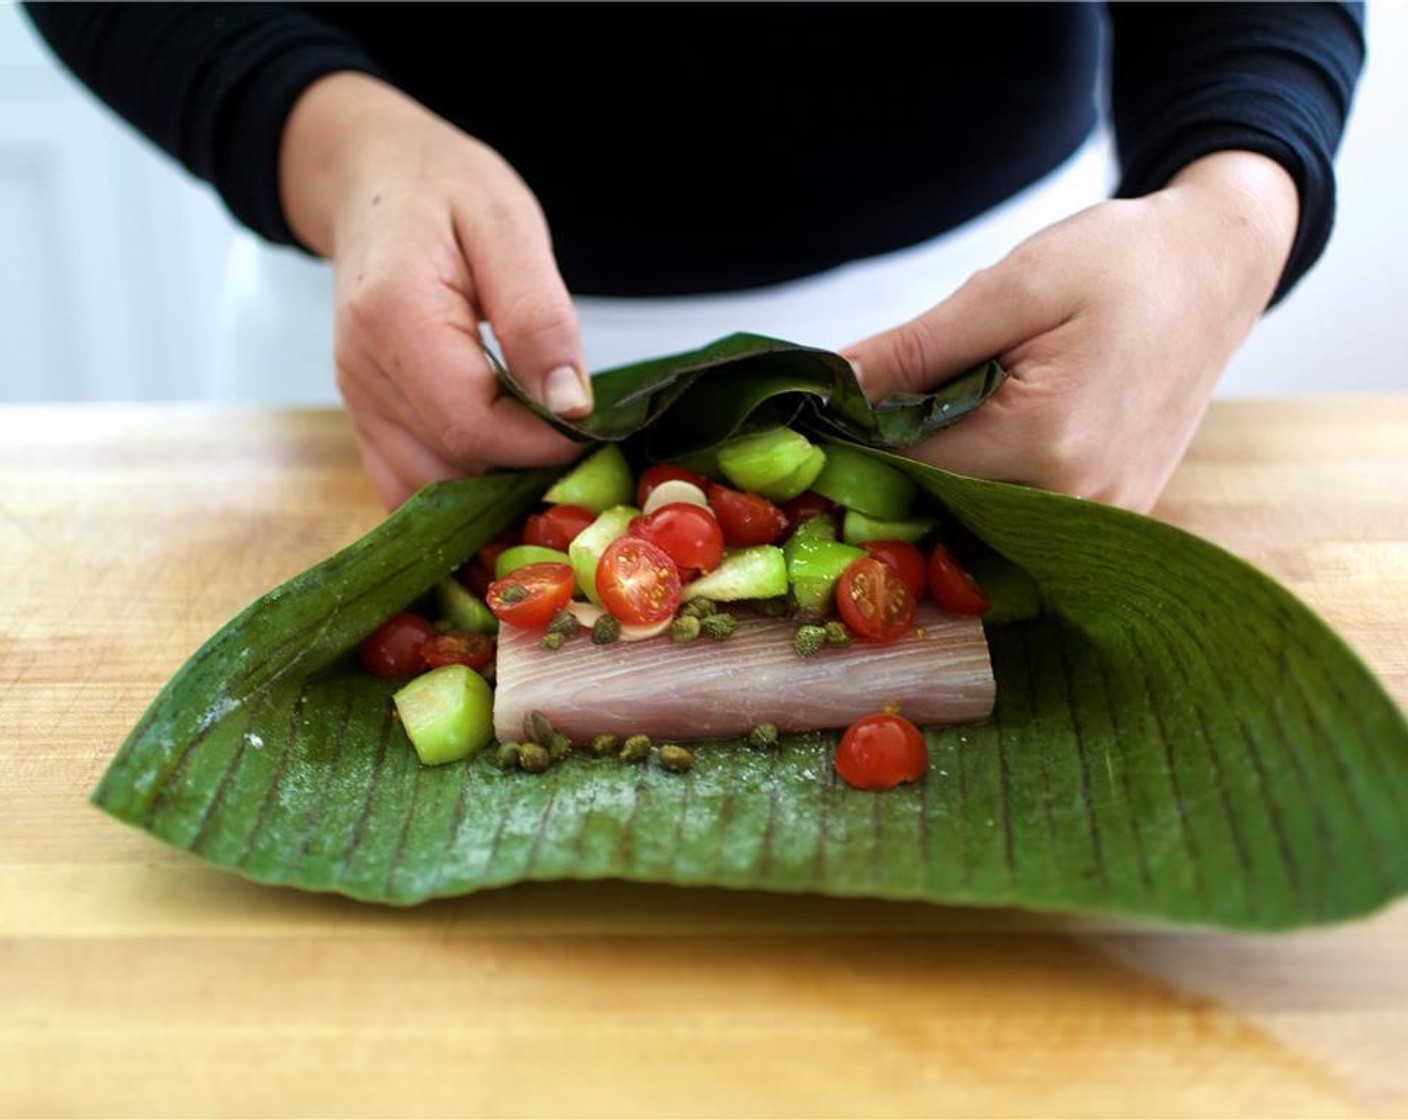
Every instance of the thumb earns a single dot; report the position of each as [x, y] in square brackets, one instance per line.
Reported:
[522, 294]
[994, 311]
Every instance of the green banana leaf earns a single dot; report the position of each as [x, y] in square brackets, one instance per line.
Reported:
[1176, 737]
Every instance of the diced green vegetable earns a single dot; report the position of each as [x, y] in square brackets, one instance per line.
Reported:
[600, 481]
[853, 479]
[464, 609]
[776, 462]
[821, 527]
[584, 553]
[858, 527]
[814, 565]
[521, 555]
[759, 572]
[447, 713]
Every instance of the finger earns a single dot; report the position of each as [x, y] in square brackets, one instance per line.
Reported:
[426, 341]
[994, 311]
[523, 296]
[982, 445]
[394, 455]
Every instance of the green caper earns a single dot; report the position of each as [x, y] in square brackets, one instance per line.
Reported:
[700, 608]
[718, 626]
[507, 756]
[685, 628]
[605, 630]
[809, 640]
[534, 757]
[675, 758]
[764, 735]
[537, 728]
[635, 749]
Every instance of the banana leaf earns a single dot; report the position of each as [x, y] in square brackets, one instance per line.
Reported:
[1176, 738]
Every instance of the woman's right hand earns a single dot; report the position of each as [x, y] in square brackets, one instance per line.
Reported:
[430, 233]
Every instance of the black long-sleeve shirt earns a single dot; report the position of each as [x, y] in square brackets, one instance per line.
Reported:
[680, 148]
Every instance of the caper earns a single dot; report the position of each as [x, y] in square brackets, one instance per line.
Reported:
[675, 758]
[809, 639]
[718, 626]
[534, 757]
[605, 630]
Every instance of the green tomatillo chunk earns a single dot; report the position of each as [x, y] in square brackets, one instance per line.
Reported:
[759, 572]
[447, 713]
[521, 555]
[584, 553]
[857, 527]
[464, 609]
[776, 462]
[814, 566]
[855, 480]
[598, 482]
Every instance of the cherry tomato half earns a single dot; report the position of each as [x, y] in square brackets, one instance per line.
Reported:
[746, 519]
[458, 647]
[556, 526]
[689, 534]
[804, 507]
[880, 752]
[531, 595]
[394, 648]
[637, 581]
[652, 477]
[905, 559]
[953, 588]
[874, 602]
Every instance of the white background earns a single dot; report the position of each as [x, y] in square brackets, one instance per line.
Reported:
[113, 260]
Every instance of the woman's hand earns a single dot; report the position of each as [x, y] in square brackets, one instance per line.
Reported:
[430, 232]
[1114, 327]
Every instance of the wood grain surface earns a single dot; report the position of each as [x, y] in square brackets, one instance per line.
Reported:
[134, 981]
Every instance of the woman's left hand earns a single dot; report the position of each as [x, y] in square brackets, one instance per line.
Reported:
[1114, 327]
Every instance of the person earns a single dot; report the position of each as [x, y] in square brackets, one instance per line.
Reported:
[489, 163]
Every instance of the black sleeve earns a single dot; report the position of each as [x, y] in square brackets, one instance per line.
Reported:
[1189, 79]
[212, 83]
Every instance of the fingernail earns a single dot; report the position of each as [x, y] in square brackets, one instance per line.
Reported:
[565, 393]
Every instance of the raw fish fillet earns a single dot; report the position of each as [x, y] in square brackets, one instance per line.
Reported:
[940, 673]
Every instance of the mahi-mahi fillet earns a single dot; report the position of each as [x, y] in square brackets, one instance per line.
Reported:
[939, 673]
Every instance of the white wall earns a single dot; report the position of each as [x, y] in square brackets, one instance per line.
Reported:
[1346, 324]
[112, 260]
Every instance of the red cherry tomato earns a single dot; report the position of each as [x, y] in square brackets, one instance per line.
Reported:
[665, 472]
[905, 559]
[874, 602]
[746, 519]
[804, 507]
[880, 752]
[459, 647]
[637, 581]
[531, 595]
[556, 526]
[953, 588]
[394, 648]
[688, 533]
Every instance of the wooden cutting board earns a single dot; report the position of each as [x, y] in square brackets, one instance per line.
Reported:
[135, 981]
